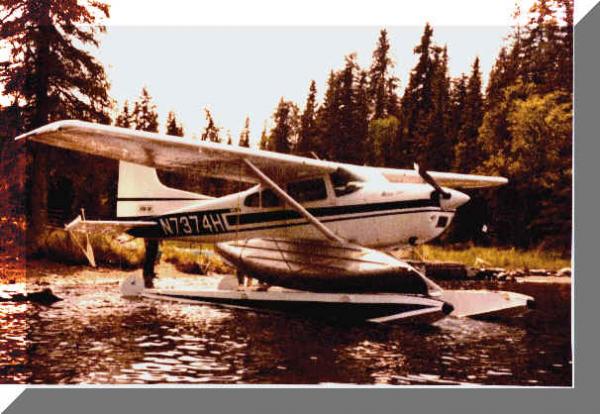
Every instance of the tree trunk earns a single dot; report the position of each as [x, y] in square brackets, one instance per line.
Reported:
[38, 167]
[37, 200]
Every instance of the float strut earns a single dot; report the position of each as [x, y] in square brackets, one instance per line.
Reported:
[149, 262]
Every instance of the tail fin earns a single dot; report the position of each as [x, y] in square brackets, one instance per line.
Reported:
[141, 193]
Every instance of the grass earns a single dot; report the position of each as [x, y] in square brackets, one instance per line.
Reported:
[194, 258]
[508, 258]
[201, 259]
[108, 251]
[61, 246]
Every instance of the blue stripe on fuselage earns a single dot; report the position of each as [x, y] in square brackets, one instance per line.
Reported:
[212, 222]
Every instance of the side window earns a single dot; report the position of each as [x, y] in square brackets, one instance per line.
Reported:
[270, 199]
[344, 183]
[253, 200]
[308, 190]
[301, 191]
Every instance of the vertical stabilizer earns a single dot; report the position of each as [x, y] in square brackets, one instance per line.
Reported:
[141, 193]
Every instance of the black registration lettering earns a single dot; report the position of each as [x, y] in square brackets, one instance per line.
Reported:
[206, 223]
[166, 227]
[217, 223]
[185, 225]
[194, 218]
[192, 224]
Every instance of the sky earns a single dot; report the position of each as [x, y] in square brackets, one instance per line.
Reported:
[238, 58]
[239, 72]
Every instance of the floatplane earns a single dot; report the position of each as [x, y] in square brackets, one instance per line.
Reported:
[320, 232]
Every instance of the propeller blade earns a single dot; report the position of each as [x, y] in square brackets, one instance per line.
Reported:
[429, 180]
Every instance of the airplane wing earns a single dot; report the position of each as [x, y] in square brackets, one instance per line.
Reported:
[445, 179]
[176, 154]
[218, 160]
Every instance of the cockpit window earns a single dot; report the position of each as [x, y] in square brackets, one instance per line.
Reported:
[253, 200]
[269, 199]
[301, 191]
[344, 182]
[307, 190]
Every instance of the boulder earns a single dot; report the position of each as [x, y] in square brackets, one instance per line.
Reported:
[42, 297]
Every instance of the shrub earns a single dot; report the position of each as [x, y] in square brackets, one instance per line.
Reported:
[62, 246]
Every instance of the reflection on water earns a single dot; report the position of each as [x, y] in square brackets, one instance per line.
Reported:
[95, 336]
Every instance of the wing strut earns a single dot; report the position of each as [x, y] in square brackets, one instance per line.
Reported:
[295, 205]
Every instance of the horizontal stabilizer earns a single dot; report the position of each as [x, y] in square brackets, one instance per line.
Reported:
[106, 227]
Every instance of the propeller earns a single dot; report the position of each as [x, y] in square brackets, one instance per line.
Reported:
[429, 180]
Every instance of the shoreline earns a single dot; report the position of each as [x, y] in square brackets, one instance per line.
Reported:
[42, 271]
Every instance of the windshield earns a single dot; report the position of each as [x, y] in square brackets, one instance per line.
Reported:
[344, 182]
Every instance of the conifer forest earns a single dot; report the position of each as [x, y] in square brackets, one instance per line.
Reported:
[517, 124]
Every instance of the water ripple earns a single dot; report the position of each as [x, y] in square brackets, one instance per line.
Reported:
[94, 336]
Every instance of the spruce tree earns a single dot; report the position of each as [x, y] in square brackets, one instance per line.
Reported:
[382, 85]
[458, 99]
[345, 144]
[417, 103]
[48, 67]
[50, 74]
[144, 113]
[328, 117]
[245, 134]
[343, 119]
[211, 131]
[265, 142]
[125, 118]
[361, 112]
[564, 76]
[502, 75]
[541, 46]
[438, 148]
[393, 101]
[468, 154]
[494, 137]
[308, 140]
[174, 128]
[286, 120]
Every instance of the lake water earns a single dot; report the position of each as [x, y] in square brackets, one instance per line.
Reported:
[95, 336]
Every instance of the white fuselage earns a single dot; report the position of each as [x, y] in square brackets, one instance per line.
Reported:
[372, 213]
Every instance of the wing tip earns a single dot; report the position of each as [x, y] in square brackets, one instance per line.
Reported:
[51, 127]
[500, 181]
